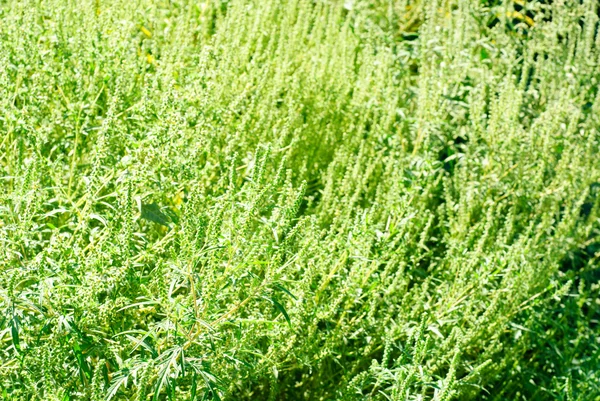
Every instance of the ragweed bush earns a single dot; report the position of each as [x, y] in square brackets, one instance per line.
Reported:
[299, 200]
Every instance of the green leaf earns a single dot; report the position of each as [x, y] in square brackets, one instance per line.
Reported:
[210, 381]
[14, 332]
[168, 360]
[281, 288]
[194, 387]
[484, 54]
[84, 369]
[153, 212]
[120, 380]
[280, 308]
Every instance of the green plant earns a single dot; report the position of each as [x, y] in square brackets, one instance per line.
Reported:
[299, 200]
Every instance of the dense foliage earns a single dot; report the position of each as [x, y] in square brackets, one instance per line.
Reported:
[299, 200]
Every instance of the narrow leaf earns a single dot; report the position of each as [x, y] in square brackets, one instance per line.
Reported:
[14, 331]
[281, 309]
[282, 288]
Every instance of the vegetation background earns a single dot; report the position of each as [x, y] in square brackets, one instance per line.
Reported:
[299, 200]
